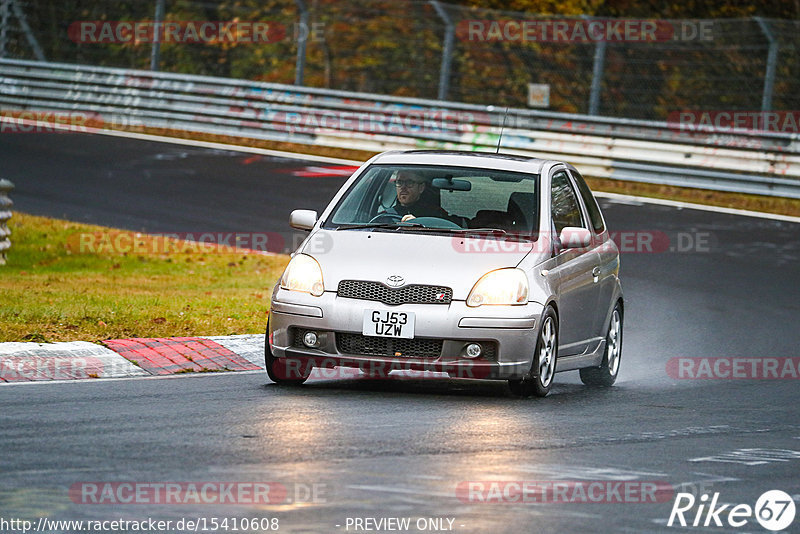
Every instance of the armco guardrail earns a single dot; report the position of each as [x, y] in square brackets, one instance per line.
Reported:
[5, 215]
[759, 163]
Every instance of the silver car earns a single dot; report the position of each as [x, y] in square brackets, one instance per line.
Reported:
[477, 265]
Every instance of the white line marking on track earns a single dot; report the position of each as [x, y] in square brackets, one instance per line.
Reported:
[202, 144]
[751, 457]
[224, 146]
[578, 472]
[692, 206]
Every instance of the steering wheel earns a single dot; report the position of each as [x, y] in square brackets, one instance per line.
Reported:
[385, 217]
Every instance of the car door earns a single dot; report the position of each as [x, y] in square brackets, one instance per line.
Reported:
[576, 269]
[607, 255]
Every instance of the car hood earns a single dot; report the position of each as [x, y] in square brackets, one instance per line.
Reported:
[420, 258]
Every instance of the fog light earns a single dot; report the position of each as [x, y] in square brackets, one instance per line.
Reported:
[310, 339]
[474, 350]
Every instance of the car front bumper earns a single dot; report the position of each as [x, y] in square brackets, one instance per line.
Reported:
[506, 333]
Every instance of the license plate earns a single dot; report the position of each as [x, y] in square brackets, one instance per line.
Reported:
[383, 323]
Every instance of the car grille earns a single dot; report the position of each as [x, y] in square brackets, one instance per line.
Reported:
[410, 294]
[382, 346]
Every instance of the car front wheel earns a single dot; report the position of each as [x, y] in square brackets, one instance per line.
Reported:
[606, 374]
[279, 372]
[540, 378]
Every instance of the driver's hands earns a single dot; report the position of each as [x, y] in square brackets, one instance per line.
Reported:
[407, 217]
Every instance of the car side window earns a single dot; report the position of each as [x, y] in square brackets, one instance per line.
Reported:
[564, 204]
[590, 202]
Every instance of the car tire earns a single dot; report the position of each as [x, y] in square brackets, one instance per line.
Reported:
[276, 367]
[539, 379]
[606, 374]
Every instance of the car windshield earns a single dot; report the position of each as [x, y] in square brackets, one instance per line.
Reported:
[439, 198]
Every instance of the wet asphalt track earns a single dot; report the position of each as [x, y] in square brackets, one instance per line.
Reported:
[401, 448]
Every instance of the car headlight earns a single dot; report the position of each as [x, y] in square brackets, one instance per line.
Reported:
[303, 274]
[503, 286]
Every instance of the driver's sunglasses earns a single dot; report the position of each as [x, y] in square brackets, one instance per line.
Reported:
[405, 183]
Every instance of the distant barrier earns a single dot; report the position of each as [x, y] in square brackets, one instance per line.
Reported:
[689, 155]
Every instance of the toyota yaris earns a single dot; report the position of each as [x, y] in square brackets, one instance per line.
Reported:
[486, 266]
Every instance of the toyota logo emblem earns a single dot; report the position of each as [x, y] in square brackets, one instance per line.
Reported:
[395, 280]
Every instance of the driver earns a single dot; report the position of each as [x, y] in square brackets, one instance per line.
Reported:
[410, 187]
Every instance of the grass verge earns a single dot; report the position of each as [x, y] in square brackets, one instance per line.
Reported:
[54, 291]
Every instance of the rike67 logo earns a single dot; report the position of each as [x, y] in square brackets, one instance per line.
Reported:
[774, 510]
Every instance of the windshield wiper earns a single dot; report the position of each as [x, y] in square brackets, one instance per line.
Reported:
[481, 231]
[391, 225]
[478, 232]
[422, 228]
[499, 232]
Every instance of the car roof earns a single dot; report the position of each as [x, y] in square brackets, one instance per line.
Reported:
[510, 162]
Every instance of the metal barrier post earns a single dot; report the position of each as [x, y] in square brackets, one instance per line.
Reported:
[447, 50]
[597, 77]
[4, 16]
[772, 60]
[29, 36]
[155, 52]
[300, 65]
[5, 215]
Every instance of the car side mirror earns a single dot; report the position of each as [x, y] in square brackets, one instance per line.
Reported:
[303, 219]
[574, 237]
